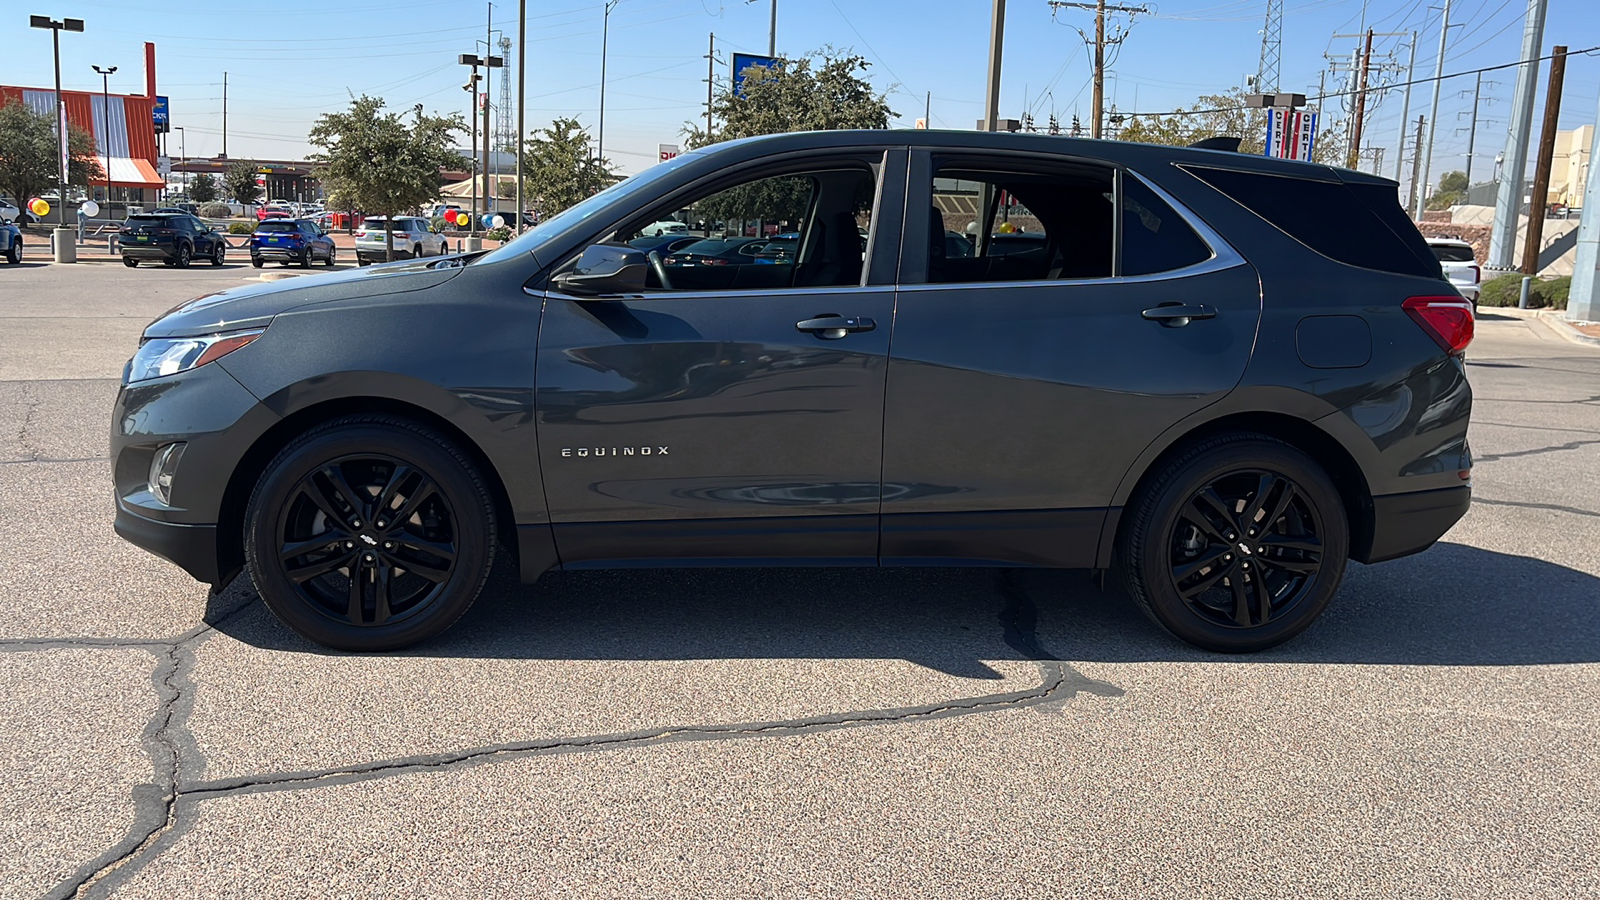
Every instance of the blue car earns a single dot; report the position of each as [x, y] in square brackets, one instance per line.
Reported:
[291, 240]
[11, 242]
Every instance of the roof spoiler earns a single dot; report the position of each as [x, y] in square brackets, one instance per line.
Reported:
[1220, 142]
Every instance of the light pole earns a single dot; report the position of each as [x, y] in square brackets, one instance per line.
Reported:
[183, 157]
[471, 87]
[61, 107]
[605, 29]
[105, 120]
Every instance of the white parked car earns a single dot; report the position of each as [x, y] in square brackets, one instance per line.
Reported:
[666, 226]
[1459, 264]
[413, 237]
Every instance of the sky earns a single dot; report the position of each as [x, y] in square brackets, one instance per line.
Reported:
[290, 60]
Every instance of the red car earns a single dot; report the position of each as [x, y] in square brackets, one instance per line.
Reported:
[265, 213]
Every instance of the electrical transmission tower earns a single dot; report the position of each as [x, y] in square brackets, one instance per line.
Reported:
[1271, 49]
[505, 133]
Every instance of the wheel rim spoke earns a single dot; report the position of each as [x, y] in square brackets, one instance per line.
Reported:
[413, 502]
[345, 491]
[1264, 489]
[1307, 542]
[1204, 584]
[322, 566]
[1297, 566]
[433, 573]
[1241, 600]
[1208, 499]
[380, 594]
[387, 494]
[1263, 596]
[357, 591]
[326, 541]
[1182, 572]
[1281, 507]
[1198, 519]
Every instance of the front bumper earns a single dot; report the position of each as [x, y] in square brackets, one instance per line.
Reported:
[1403, 524]
[192, 547]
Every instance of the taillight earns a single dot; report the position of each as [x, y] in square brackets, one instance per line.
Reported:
[1477, 274]
[1448, 320]
[713, 261]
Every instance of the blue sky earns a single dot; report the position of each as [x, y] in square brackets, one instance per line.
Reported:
[289, 60]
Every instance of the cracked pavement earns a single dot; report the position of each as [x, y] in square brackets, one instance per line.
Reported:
[731, 733]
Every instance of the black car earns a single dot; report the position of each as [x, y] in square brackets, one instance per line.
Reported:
[733, 251]
[175, 239]
[665, 244]
[1193, 382]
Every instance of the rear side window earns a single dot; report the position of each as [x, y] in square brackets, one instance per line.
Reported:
[1154, 237]
[1448, 253]
[1358, 225]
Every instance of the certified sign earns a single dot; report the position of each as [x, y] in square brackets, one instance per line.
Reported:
[665, 152]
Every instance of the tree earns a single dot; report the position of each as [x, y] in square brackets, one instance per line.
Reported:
[819, 92]
[29, 165]
[379, 163]
[204, 189]
[1217, 115]
[1452, 188]
[239, 182]
[560, 168]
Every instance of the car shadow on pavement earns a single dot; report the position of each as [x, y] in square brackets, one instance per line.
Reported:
[1453, 605]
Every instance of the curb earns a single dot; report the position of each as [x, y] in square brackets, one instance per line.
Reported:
[1556, 321]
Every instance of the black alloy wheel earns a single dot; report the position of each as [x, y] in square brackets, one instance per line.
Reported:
[130, 262]
[369, 533]
[1238, 545]
[14, 253]
[256, 261]
[332, 250]
[218, 257]
[182, 261]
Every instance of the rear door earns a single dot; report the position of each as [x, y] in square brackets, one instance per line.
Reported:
[732, 413]
[1026, 377]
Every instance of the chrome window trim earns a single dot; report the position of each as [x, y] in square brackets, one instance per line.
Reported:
[552, 294]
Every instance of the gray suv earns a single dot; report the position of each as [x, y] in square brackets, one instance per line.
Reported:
[1146, 359]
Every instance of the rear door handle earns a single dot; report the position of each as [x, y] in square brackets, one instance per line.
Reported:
[831, 326]
[1177, 315]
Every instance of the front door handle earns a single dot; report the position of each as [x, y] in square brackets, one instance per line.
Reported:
[1177, 315]
[832, 326]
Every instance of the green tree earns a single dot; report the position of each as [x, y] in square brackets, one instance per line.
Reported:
[1452, 187]
[204, 189]
[381, 163]
[1223, 115]
[239, 182]
[28, 154]
[560, 169]
[823, 91]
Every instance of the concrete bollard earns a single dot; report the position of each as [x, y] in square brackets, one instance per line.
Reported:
[1522, 300]
[64, 242]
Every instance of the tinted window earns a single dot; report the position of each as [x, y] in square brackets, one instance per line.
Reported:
[1154, 237]
[1448, 253]
[1369, 230]
[276, 227]
[1034, 226]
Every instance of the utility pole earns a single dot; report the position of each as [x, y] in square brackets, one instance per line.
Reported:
[1541, 168]
[224, 154]
[772, 31]
[1099, 42]
[997, 30]
[1508, 199]
[1361, 103]
[1416, 168]
[1433, 112]
[1472, 130]
[1405, 110]
[711, 74]
[488, 50]
[605, 29]
[522, 106]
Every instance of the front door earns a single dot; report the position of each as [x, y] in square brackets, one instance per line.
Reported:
[1033, 360]
[733, 412]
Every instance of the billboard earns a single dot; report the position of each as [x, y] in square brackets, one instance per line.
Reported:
[163, 121]
[1290, 134]
[744, 61]
[665, 152]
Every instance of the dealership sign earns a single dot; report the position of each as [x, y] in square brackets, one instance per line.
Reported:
[665, 152]
[743, 63]
[163, 121]
[1290, 134]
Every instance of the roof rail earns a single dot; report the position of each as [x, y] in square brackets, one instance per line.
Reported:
[1220, 142]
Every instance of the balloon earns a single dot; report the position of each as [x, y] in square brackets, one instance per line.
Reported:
[450, 216]
[497, 221]
[487, 219]
[38, 207]
[91, 208]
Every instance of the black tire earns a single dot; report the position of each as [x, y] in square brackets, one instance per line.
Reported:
[14, 253]
[295, 504]
[221, 254]
[130, 262]
[332, 251]
[1189, 567]
[256, 261]
[305, 259]
[184, 253]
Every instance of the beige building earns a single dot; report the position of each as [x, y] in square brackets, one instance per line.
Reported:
[1569, 168]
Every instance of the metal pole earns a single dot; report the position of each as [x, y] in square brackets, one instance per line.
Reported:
[1416, 165]
[927, 110]
[711, 75]
[605, 31]
[488, 75]
[1433, 112]
[1508, 199]
[991, 107]
[772, 31]
[1361, 103]
[522, 73]
[61, 132]
[1583, 303]
[1099, 66]
[1405, 111]
[1541, 168]
[224, 115]
[472, 116]
[1472, 131]
[105, 118]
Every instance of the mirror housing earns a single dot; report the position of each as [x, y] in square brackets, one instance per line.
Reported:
[606, 269]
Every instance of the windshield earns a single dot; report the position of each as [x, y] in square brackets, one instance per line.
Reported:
[279, 226]
[572, 215]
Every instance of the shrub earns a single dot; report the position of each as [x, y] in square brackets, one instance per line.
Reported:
[439, 224]
[501, 234]
[1506, 290]
[241, 228]
[216, 211]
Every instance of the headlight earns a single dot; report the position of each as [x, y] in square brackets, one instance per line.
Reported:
[169, 356]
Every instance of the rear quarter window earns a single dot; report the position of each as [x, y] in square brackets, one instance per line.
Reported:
[1447, 253]
[1358, 225]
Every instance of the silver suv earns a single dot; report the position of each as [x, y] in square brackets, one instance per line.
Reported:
[413, 236]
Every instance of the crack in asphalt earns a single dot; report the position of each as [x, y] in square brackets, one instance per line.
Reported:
[162, 808]
[1556, 507]
[44, 459]
[32, 405]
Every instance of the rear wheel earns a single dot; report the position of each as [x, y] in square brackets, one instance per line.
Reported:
[369, 533]
[184, 253]
[1237, 545]
[256, 261]
[130, 262]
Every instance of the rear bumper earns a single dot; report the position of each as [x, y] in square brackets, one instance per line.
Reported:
[192, 547]
[279, 253]
[1403, 524]
[149, 251]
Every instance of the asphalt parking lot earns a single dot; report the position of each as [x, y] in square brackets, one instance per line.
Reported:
[729, 733]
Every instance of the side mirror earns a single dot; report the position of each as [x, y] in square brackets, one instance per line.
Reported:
[606, 269]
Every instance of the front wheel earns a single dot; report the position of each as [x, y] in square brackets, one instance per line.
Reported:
[256, 262]
[14, 253]
[220, 255]
[130, 262]
[369, 533]
[1237, 545]
[182, 261]
[332, 251]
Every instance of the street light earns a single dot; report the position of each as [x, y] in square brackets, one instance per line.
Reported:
[471, 87]
[105, 118]
[183, 157]
[605, 30]
[61, 107]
